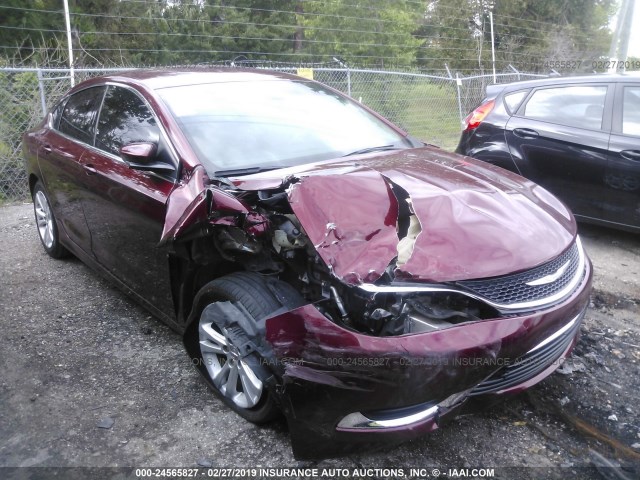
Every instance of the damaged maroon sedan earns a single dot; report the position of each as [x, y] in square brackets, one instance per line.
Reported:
[319, 262]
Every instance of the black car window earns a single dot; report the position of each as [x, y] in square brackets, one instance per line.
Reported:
[56, 113]
[576, 106]
[79, 114]
[124, 118]
[513, 100]
[631, 111]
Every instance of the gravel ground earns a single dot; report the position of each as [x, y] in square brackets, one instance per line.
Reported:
[77, 355]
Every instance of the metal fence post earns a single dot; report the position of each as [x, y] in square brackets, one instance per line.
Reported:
[348, 81]
[515, 70]
[43, 98]
[458, 85]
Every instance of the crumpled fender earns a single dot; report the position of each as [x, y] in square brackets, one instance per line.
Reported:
[193, 201]
[187, 204]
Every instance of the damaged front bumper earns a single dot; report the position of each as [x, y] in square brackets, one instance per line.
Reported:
[343, 391]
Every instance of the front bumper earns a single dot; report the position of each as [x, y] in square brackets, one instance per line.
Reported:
[342, 391]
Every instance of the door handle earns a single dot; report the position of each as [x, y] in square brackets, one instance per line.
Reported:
[525, 133]
[89, 169]
[48, 150]
[631, 155]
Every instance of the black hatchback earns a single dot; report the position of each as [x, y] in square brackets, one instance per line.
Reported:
[579, 137]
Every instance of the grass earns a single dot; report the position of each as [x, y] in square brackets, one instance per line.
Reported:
[432, 115]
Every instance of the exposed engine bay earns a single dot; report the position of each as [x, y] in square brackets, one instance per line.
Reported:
[270, 239]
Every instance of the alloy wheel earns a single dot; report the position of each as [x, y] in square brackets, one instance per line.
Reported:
[230, 373]
[44, 219]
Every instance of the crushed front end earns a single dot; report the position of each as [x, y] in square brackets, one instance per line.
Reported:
[423, 282]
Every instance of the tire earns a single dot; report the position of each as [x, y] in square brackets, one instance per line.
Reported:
[46, 224]
[240, 379]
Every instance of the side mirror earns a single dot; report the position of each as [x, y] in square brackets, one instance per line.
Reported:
[141, 156]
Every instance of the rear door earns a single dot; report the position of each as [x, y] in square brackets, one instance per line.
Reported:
[125, 208]
[623, 168]
[59, 156]
[559, 138]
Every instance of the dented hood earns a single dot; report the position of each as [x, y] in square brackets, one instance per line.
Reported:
[476, 220]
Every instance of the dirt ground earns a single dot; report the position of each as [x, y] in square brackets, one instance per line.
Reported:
[76, 355]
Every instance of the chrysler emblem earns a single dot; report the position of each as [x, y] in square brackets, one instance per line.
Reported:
[549, 278]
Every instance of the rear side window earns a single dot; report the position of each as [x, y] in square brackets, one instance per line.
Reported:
[575, 106]
[56, 113]
[513, 100]
[124, 118]
[79, 114]
[631, 111]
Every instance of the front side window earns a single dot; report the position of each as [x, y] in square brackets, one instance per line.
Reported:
[79, 114]
[124, 118]
[273, 123]
[574, 106]
[631, 111]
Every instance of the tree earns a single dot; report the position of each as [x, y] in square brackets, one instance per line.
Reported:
[528, 33]
[375, 32]
[30, 33]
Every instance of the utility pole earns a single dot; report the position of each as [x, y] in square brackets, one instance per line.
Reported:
[69, 45]
[625, 34]
[298, 35]
[493, 48]
[620, 41]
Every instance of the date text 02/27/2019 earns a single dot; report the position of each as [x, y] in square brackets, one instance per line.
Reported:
[594, 64]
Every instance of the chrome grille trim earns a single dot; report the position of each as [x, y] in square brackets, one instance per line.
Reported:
[533, 362]
[531, 304]
[538, 283]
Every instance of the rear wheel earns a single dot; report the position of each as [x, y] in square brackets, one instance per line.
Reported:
[46, 223]
[237, 373]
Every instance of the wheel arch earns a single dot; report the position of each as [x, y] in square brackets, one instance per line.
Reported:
[33, 179]
[188, 277]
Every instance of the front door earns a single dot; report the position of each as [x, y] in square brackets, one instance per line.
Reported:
[125, 208]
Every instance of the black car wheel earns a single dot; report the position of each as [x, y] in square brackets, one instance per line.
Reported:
[238, 377]
[46, 223]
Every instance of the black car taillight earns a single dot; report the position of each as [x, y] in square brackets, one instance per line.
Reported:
[475, 118]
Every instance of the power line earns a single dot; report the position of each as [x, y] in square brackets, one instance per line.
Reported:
[305, 27]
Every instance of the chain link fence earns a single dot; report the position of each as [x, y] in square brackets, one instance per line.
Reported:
[26, 94]
[429, 107]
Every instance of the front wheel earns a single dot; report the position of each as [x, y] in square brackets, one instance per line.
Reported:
[236, 371]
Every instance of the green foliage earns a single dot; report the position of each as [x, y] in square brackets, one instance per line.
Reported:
[20, 111]
[380, 31]
[528, 33]
[31, 34]
[377, 32]
[173, 32]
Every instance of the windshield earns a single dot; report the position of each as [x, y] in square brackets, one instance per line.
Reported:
[273, 123]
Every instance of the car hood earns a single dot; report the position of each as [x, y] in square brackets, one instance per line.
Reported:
[475, 220]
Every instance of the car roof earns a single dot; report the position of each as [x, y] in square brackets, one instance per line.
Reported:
[493, 90]
[155, 79]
